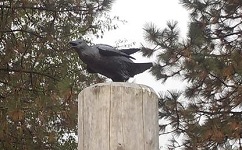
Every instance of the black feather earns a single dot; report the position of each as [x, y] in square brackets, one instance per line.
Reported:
[108, 61]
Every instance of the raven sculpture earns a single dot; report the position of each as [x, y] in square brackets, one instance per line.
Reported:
[108, 61]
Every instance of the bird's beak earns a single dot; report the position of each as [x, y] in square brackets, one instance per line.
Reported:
[73, 43]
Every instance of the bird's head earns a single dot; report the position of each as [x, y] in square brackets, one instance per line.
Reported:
[78, 44]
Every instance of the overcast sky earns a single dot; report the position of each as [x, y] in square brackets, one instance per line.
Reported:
[137, 13]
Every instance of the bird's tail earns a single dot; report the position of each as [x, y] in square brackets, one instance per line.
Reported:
[137, 68]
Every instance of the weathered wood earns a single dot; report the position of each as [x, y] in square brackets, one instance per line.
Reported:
[117, 116]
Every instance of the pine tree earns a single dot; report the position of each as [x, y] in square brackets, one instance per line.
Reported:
[40, 75]
[207, 114]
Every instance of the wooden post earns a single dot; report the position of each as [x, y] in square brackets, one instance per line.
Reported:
[117, 116]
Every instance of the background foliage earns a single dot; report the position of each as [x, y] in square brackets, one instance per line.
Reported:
[39, 74]
[208, 112]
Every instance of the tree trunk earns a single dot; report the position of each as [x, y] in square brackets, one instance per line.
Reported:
[118, 116]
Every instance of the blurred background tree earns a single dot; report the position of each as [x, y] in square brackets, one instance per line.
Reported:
[39, 74]
[208, 112]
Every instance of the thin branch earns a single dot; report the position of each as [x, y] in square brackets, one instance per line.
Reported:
[221, 80]
[77, 8]
[220, 112]
[20, 30]
[28, 71]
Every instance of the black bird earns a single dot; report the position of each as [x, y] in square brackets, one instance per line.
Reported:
[108, 61]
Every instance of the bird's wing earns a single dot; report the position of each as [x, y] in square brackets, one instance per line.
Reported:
[130, 50]
[107, 50]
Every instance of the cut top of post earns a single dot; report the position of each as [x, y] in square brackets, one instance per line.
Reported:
[118, 116]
